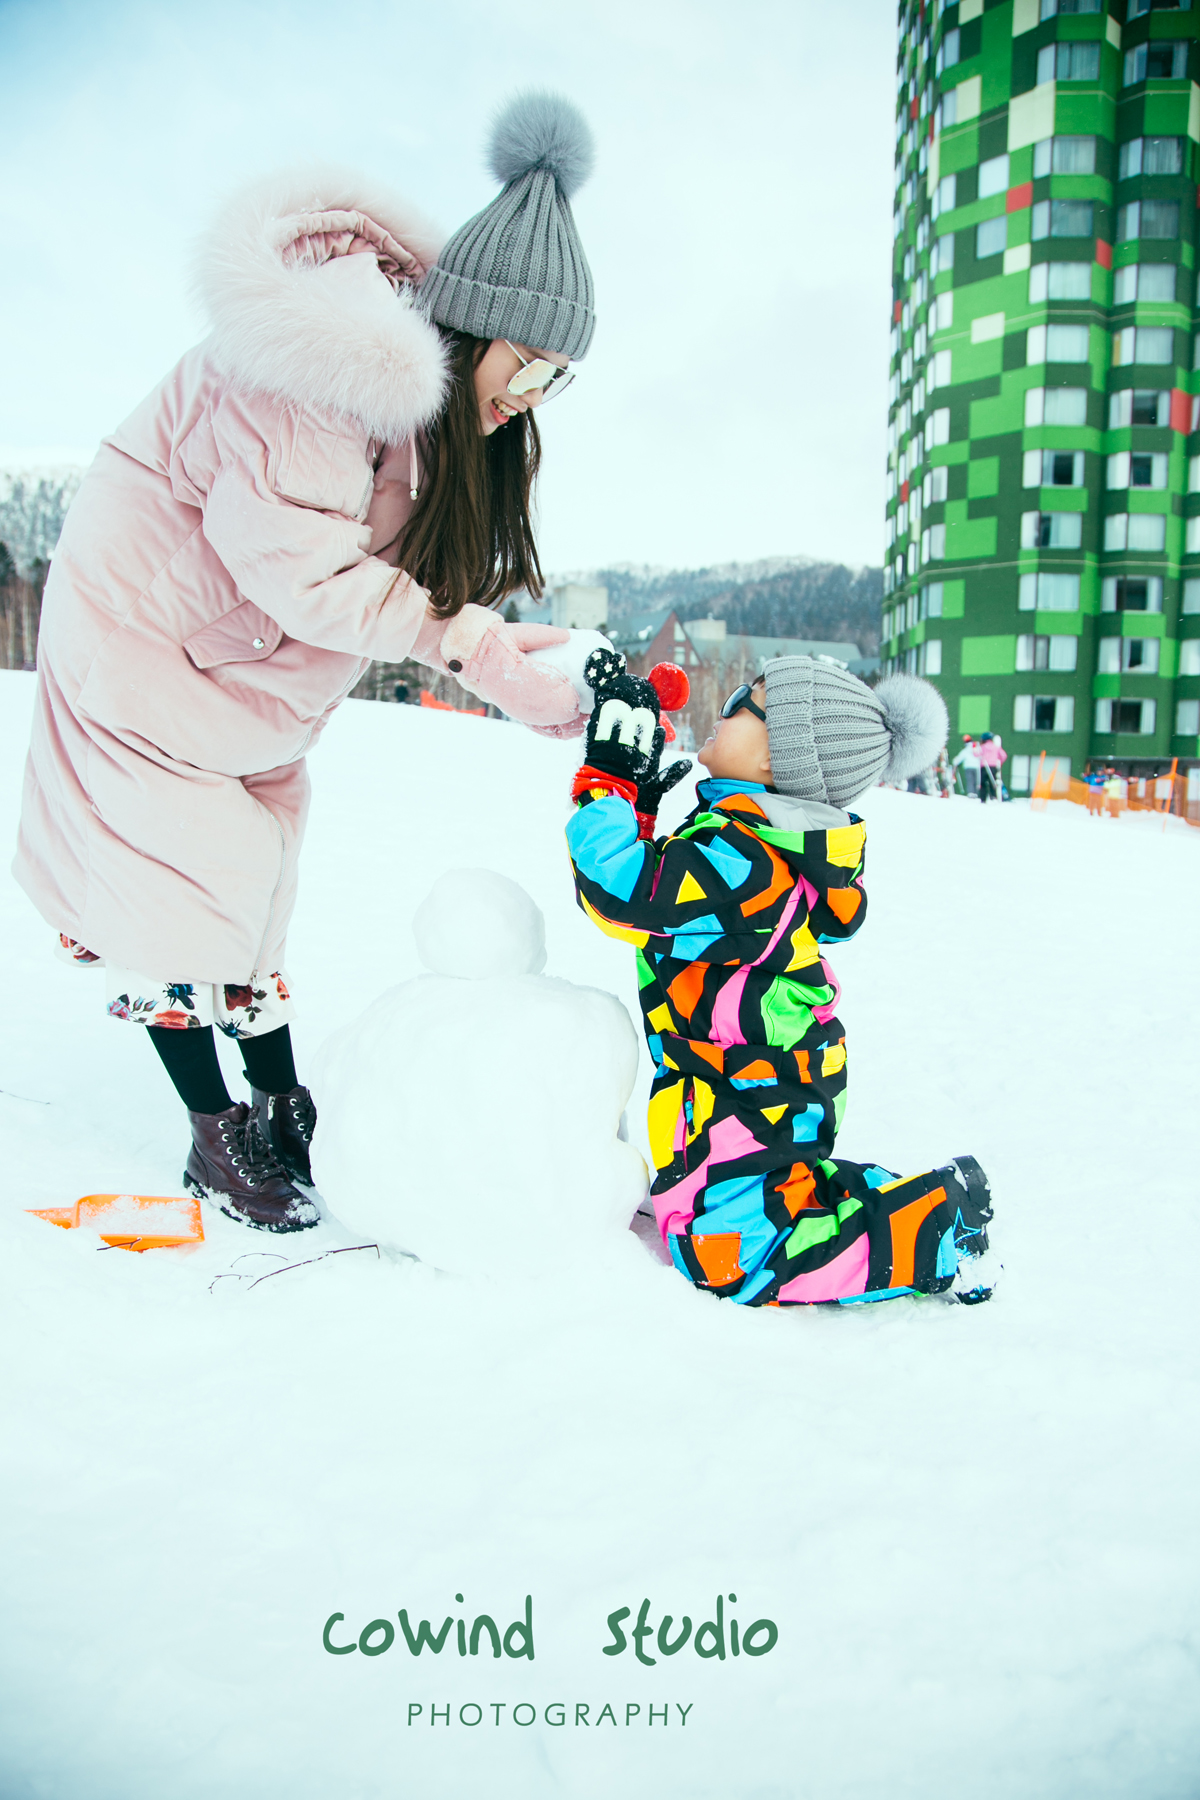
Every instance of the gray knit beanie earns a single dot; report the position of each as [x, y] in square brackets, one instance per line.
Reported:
[517, 269]
[832, 736]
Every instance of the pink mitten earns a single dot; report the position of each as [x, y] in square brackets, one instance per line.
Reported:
[572, 729]
[488, 658]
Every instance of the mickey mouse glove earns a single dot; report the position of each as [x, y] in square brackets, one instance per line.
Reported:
[625, 738]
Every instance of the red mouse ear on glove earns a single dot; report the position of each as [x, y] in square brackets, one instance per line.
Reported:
[671, 685]
[668, 731]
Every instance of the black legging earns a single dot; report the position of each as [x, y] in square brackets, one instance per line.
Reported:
[190, 1059]
[987, 784]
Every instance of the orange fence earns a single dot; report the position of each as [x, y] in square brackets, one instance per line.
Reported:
[1171, 793]
[427, 699]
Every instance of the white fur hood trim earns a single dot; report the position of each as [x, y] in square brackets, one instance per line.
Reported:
[308, 279]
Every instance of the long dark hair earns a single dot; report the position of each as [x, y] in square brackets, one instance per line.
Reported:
[469, 537]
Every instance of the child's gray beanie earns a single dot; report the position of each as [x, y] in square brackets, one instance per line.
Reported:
[517, 269]
[832, 736]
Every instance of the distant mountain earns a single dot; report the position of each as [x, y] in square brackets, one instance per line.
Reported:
[781, 596]
[33, 504]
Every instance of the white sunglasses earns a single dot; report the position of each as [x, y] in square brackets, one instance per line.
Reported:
[539, 374]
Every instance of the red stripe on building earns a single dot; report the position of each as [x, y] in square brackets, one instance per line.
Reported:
[1181, 410]
[1017, 198]
[1103, 254]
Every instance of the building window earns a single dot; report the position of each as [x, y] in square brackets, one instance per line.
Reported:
[1135, 531]
[1150, 156]
[991, 237]
[1045, 592]
[1137, 469]
[1139, 406]
[1063, 219]
[1043, 712]
[1060, 281]
[1138, 7]
[948, 51]
[1064, 156]
[939, 370]
[1051, 531]
[941, 257]
[1052, 468]
[933, 544]
[1073, 62]
[1165, 60]
[930, 660]
[1141, 219]
[1134, 718]
[937, 428]
[1191, 596]
[935, 486]
[1051, 7]
[943, 195]
[1131, 593]
[1056, 406]
[1187, 718]
[931, 601]
[942, 315]
[1127, 655]
[1056, 343]
[1144, 281]
[1055, 653]
[993, 176]
[1143, 344]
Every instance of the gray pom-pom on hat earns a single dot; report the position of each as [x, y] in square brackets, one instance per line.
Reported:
[832, 737]
[542, 131]
[517, 269]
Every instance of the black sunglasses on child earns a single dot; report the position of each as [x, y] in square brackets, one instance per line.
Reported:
[739, 699]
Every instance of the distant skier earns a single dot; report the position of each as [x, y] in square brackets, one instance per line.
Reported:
[992, 755]
[967, 762]
[728, 916]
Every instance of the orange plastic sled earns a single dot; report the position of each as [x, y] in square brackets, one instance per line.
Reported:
[132, 1221]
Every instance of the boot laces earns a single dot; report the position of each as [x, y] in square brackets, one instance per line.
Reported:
[304, 1114]
[253, 1158]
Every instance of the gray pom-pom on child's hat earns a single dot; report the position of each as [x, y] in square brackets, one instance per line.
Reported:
[517, 269]
[832, 737]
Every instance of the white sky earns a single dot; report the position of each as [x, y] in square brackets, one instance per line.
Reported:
[738, 225]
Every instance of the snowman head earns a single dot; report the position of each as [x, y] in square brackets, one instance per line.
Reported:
[476, 923]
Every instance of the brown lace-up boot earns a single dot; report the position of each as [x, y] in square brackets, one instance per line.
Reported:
[231, 1163]
[287, 1122]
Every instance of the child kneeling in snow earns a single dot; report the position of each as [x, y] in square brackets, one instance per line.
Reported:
[728, 915]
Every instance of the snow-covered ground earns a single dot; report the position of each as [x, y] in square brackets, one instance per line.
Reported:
[975, 1529]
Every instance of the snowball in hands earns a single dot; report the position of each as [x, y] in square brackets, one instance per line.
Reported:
[470, 1116]
[569, 659]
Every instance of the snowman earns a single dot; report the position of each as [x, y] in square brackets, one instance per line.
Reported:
[471, 1116]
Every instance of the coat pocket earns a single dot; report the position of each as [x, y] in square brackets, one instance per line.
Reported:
[244, 634]
[323, 469]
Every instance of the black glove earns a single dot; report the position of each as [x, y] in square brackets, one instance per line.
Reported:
[624, 737]
[651, 790]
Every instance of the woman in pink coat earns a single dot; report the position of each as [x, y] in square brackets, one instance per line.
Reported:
[341, 471]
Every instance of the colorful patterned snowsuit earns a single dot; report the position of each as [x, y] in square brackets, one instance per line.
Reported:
[728, 916]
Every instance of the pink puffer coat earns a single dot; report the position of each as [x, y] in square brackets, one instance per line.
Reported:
[226, 572]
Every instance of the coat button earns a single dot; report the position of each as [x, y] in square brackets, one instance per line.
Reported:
[454, 665]
[260, 643]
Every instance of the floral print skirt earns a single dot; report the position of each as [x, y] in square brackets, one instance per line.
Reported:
[240, 1011]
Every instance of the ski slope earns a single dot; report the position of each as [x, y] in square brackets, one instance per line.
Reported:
[974, 1528]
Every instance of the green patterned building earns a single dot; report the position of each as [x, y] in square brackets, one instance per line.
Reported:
[1043, 519]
